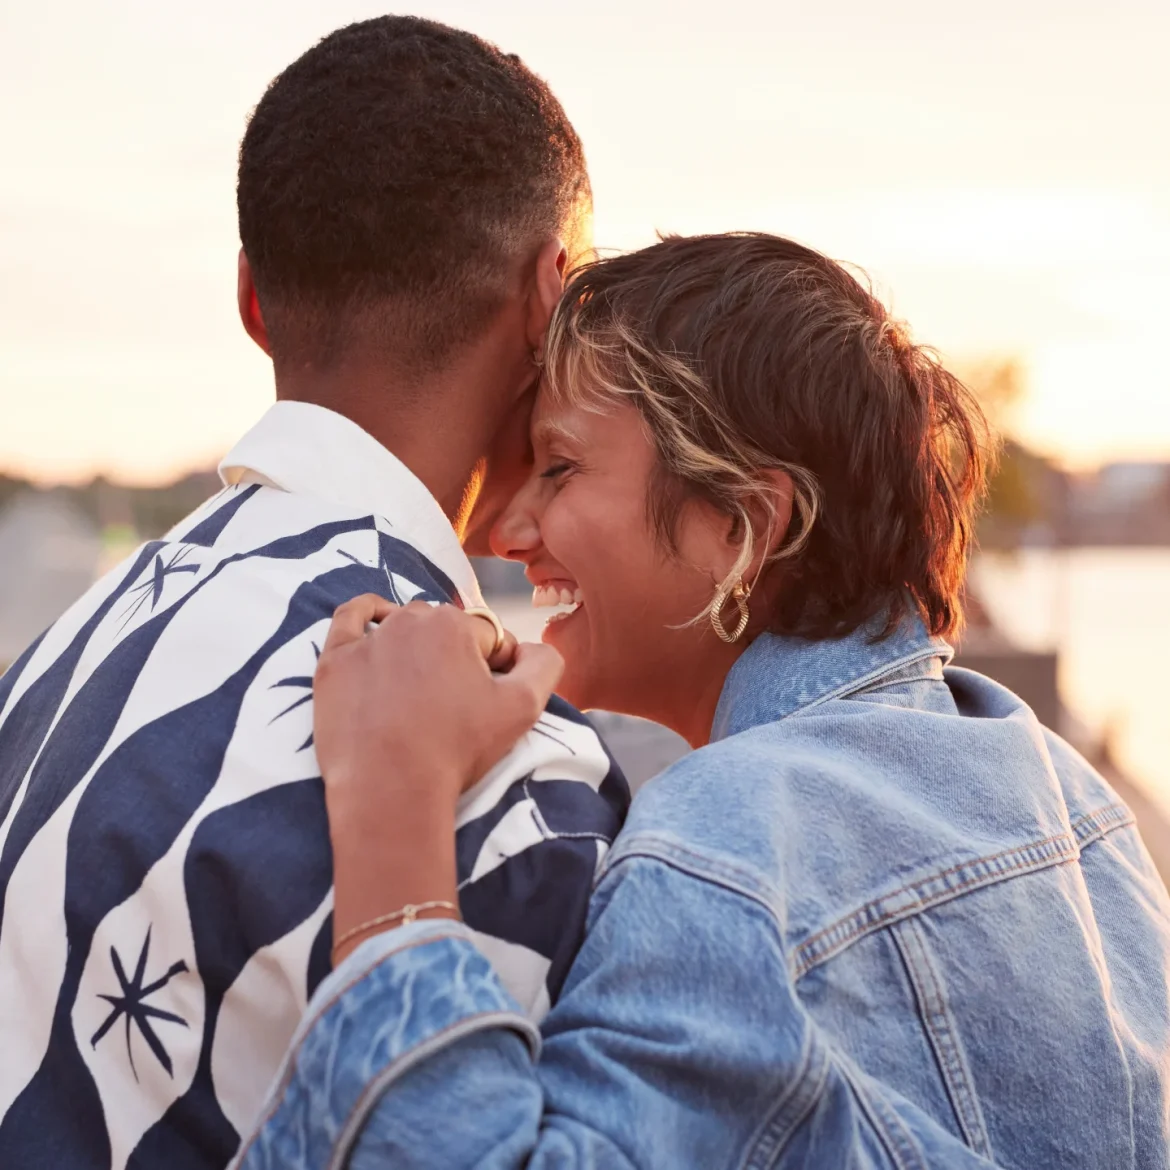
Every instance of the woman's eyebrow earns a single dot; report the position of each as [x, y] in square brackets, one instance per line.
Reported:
[548, 429]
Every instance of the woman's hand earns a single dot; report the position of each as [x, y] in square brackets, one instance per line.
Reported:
[414, 699]
[406, 717]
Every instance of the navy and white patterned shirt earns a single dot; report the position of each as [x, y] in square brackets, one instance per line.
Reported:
[165, 870]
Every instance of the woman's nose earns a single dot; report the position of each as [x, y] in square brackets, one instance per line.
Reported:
[515, 536]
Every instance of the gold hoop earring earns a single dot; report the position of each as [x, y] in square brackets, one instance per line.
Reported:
[739, 594]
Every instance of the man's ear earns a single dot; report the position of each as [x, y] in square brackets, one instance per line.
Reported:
[250, 314]
[547, 285]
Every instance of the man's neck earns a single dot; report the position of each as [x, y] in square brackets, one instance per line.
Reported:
[438, 425]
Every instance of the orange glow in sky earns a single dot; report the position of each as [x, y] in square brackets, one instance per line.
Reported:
[1002, 170]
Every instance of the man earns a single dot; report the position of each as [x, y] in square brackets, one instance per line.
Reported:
[409, 198]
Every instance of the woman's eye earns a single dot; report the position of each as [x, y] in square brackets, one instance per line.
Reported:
[556, 470]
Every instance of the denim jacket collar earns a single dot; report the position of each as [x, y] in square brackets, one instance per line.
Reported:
[778, 675]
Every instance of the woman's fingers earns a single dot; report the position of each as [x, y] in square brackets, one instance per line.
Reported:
[504, 658]
[484, 633]
[509, 707]
[484, 630]
[527, 687]
[350, 620]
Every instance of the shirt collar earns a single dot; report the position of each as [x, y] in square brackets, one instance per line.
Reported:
[778, 675]
[312, 451]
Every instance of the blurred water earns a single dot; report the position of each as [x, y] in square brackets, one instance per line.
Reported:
[1107, 612]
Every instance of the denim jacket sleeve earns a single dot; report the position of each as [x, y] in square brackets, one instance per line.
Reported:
[677, 1042]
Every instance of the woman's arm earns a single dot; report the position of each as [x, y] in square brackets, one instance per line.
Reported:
[678, 1039]
[406, 716]
[678, 1042]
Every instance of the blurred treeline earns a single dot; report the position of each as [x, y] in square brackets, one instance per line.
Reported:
[1032, 500]
[148, 511]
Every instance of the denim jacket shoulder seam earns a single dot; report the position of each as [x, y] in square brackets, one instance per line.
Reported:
[955, 881]
[717, 870]
[1095, 825]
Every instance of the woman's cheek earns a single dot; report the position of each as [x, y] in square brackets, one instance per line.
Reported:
[556, 530]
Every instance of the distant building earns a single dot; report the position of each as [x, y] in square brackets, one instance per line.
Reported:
[1035, 502]
[1121, 486]
[1121, 504]
[49, 555]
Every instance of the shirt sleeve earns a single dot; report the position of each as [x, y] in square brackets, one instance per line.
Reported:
[678, 1041]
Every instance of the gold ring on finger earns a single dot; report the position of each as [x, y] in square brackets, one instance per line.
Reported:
[482, 611]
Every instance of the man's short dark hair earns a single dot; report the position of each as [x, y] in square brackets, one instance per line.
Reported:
[747, 353]
[389, 179]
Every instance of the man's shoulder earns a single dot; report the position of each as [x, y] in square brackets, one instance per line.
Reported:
[254, 549]
[255, 526]
[251, 572]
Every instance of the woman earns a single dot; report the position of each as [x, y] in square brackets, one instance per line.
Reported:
[880, 918]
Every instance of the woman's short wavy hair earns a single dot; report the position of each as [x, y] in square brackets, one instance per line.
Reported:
[746, 353]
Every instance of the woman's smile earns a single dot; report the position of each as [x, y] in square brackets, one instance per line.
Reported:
[557, 593]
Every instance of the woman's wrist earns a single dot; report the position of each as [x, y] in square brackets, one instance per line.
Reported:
[384, 782]
[398, 853]
[345, 944]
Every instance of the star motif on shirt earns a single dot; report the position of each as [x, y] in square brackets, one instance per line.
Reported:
[301, 681]
[152, 588]
[132, 1005]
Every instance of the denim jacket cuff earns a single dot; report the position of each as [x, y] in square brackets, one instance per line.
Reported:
[398, 999]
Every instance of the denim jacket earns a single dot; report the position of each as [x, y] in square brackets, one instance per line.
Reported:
[885, 919]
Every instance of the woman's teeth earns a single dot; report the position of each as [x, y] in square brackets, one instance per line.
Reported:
[547, 596]
[544, 596]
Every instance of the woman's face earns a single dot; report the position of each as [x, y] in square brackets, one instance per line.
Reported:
[581, 526]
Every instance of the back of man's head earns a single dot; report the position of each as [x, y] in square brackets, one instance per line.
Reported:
[389, 181]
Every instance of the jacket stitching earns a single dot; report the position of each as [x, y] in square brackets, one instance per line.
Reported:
[1049, 851]
[830, 941]
[891, 1131]
[793, 1107]
[678, 856]
[851, 686]
[651, 845]
[1095, 825]
[1038, 855]
[942, 1031]
[838, 686]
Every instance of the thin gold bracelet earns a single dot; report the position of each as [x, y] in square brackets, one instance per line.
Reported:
[406, 915]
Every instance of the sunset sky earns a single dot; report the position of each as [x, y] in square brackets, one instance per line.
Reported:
[1002, 169]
